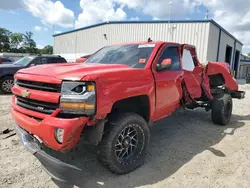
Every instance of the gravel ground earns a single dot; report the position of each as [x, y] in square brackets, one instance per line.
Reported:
[186, 150]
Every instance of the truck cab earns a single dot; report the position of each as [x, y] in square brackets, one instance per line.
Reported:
[111, 99]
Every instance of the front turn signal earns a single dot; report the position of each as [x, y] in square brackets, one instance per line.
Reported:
[78, 106]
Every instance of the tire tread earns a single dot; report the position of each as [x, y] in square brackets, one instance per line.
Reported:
[111, 129]
[218, 107]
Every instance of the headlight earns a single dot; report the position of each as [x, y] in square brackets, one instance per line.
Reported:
[78, 98]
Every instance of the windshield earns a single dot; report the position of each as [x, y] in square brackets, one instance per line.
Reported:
[24, 61]
[133, 55]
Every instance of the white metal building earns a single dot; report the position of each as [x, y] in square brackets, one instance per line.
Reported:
[244, 68]
[213, 42]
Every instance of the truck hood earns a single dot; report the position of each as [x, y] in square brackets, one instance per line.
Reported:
[75, 71]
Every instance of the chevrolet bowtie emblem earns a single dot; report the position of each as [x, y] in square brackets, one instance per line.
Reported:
[25, 93]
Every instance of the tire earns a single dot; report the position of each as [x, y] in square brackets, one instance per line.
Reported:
[6, 84]
[222, 109]
[111, 148]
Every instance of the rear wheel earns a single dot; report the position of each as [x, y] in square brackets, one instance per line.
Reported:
[6, 84]
[222, 106]
[124, 143]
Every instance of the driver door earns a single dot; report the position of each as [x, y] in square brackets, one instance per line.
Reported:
[168, 82]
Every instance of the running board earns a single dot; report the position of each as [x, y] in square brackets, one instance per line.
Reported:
[199, 104]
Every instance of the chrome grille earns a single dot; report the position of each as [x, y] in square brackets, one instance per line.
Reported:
[56, 88]
[38, 106]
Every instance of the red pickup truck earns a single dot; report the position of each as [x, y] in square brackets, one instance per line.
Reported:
[111, 99]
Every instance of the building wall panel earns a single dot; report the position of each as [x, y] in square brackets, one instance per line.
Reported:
[89, 40]
[213, 41]
[228, 41]
[225, 40]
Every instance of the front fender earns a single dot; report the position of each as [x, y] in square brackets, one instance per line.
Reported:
[221, 68]
[114, 86]
[109, 94]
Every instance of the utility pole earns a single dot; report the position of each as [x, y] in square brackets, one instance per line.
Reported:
[207, 14]
[53, 29]
[169, 20]
[170, 6]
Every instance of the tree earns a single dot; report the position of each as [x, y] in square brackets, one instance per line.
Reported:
[4, 40]
[29, 43]
[47, 50]
[16, 40]
[20, 43]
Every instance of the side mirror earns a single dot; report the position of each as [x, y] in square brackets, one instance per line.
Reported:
[84, 59]
[81, 60]
[165, 64]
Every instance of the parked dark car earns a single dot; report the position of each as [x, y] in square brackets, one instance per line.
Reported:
[4, 60]
[7, 71]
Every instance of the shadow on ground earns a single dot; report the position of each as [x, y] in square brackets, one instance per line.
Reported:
[174, 142]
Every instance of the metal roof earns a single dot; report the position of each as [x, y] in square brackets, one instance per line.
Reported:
[152, 21]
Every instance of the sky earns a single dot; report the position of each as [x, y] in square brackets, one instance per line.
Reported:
[47, 17]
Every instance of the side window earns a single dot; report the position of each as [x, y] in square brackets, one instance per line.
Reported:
[187, 61]
[6, 60]
[44, 60]
[56, 60]
[36, 61]
[171, 53]
[59, 60]
[62, 60]
[51, 60]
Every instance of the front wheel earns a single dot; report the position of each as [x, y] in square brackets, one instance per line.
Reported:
[222, 109]
[6, 84]
[124, 144]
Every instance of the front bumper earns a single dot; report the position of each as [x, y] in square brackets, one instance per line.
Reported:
[45, 129]
[57, 169]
